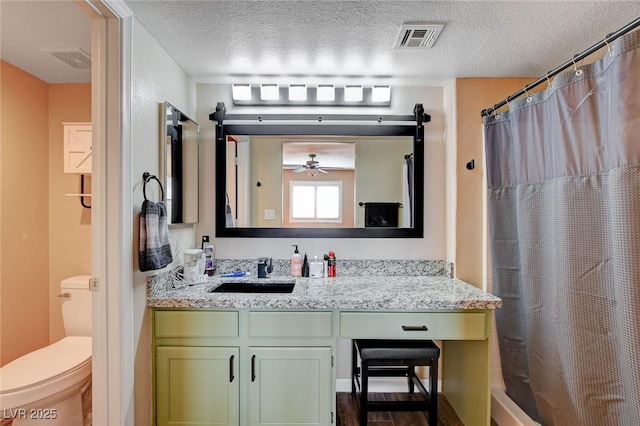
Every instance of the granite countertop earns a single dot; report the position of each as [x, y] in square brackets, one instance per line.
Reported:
[340, 293]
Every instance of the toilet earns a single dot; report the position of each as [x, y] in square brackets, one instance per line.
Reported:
[47, 386]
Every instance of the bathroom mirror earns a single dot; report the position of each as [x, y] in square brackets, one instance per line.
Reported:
[179, 172]
[303, 181]
[340, 176]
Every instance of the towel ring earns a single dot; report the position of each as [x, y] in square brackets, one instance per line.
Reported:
[148, 177]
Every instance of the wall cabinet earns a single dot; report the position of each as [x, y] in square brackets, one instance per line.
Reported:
[77, 148]
[227, 368]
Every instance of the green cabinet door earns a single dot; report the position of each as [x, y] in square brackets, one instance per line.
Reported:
[289, 386]
[197, 386]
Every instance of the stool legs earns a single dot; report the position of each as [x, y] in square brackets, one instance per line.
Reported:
[404, 364]
[433, 393]
[354, 367]
[411, 372]
[364, 392]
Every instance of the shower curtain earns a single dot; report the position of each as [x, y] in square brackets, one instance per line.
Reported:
[564, 216]
[407, 191]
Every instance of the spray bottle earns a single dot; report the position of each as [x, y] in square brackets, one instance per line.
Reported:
[332, 265]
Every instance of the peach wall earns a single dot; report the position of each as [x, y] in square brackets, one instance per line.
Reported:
[31, 163]
[69, 222]
[472, 95]
[24, 225]
[265, 167]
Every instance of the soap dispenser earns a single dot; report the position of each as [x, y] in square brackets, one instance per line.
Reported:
[296, 263]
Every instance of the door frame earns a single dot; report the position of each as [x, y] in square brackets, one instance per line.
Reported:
[111, 213]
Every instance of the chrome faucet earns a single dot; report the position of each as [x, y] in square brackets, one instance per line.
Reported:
[263, 267]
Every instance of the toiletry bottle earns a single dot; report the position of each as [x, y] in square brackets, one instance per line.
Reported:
[315, 268]
[296, 263]
[305, 266]
[332, 264]
[325, 266]
[209, 252]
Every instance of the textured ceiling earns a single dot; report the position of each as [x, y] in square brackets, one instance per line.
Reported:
[27, 26]
[326, 41]
[312, 41]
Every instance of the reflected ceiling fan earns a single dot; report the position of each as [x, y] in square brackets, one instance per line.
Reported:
[312, 167]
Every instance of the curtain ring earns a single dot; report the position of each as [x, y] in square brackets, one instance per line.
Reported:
[575, 67]
[526, 92]
[548, 81]
[611, 52]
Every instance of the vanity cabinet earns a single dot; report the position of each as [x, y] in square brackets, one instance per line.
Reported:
[197, 385]
[244, 367]
[290, 386]
[196, 382]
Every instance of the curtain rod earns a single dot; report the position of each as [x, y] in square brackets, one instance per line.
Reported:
[608, 39]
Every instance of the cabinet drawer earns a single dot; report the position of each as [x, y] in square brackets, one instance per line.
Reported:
[290, 324]
[196, 324]
[432, 325]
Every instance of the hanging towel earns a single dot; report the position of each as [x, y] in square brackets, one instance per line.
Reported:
[228, 215]
[155, 250]
[384, 215]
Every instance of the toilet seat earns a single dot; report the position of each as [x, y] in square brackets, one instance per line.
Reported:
[44, 372]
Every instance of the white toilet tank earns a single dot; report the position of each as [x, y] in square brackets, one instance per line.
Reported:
[76, 305]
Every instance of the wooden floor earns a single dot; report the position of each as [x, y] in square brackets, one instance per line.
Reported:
[348, 412]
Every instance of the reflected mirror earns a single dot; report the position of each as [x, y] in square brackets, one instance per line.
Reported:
[331, 176]
[301, 181]
[179, 164]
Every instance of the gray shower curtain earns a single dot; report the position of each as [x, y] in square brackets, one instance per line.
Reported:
[564, 217]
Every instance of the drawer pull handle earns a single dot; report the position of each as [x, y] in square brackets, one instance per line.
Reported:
[253, 368]
[415, 328]
[231, 376]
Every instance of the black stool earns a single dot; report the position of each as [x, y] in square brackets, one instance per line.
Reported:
[396, 358]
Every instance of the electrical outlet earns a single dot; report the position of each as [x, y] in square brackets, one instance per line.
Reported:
[270, 214]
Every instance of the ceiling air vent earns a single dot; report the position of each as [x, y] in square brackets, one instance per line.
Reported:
[418, 35]
[75, 57]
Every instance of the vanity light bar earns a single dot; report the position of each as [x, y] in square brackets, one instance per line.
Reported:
[353, 93]
[241, 92]
[308, 95]
[326, 92]
[269, 92]
[381, 94]
[297, 92]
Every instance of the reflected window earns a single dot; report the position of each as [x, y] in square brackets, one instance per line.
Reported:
[315, 202]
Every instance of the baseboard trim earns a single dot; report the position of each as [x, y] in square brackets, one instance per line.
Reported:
[382, 385]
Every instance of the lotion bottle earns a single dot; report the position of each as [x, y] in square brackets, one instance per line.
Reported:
[296, 263]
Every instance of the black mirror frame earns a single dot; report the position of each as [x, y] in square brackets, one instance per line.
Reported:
[178, 117]
[342, 125]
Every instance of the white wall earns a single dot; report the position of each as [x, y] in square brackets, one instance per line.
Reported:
[449, 99]
[155, 78]
[432, 246]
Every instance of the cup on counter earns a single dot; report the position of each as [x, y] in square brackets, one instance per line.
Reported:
[316, 269]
